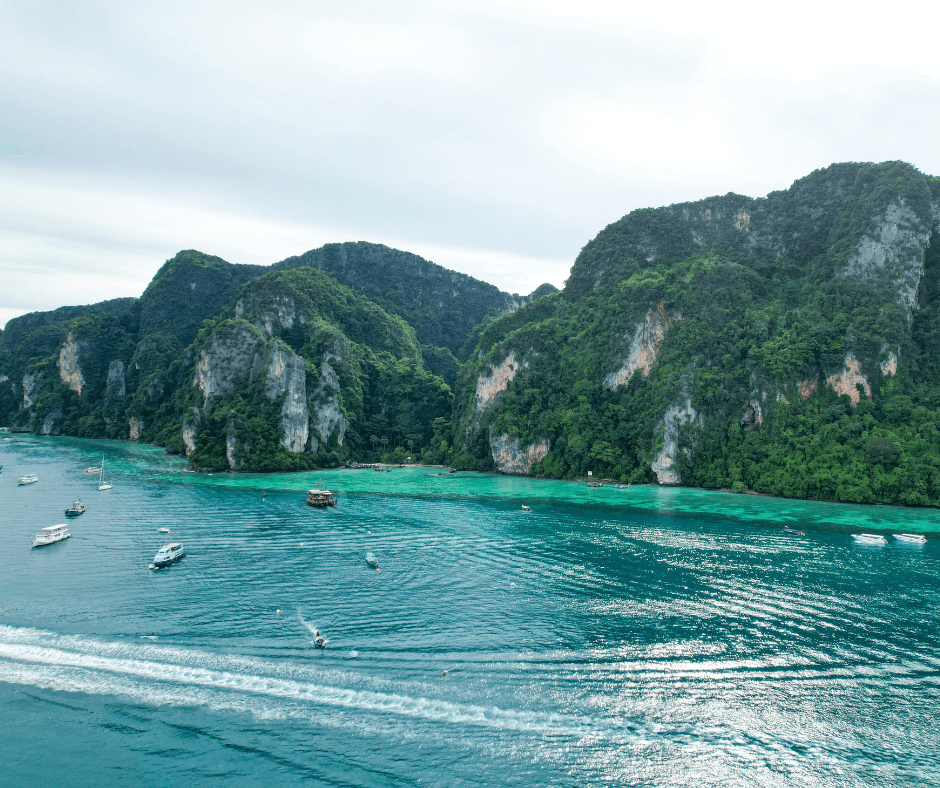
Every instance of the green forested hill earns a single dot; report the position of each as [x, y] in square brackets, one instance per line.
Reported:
[787, 345]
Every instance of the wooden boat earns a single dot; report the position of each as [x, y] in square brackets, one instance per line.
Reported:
[595, 484]
[93, 469]
[320, 498]
[75, 509]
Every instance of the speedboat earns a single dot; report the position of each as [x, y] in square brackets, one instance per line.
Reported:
[50, 534]
[911, 538]
[164, 530]
[168, 554]
[869, 538]
[595, 484]
[93, 469]
[75, 509]
[372, 561]
[792, 532]
[623, 486]
[30, 478]
[526, 508]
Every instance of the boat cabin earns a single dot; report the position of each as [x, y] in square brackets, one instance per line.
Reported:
[320, 498]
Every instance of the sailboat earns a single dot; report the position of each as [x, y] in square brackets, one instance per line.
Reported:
[102, 484]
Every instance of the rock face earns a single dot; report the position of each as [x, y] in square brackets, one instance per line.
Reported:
[511, 458]
[287, 375]
[894, 248]
[69, 370]
[48, 424]
[135, 427]
[890, 365]
[190, 427]
[808, 387]
[230, 356]
[30, 381]
[677, 416]
[489, 387]
[116, 385]
[643, 348]
[848, 378]
[327, 417]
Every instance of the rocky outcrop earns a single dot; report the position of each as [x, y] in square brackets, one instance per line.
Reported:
[135, 427]
[753, 414]
[847, 380]
[231, 354]
[889, 366]
[895, 247]
[116, 386]
[644, 347]
[326, 416]
[287, 376]
[30, 381]
[48, 423]
[512, 458]
[190, 428]
[677, 416]
[489, 387]
[807, 388]
[69, 371]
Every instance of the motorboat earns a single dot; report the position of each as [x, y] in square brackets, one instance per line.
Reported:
[168, 555]
[869, 538]
[318, 640]
[93, 469]
[372, 561]
[50, 534]
[164, 530]
[595, 484]
[102, 484]
[526, 508]
[911, 538]
[623, 487]
[30, 478]
[75, 509]
[793, 531]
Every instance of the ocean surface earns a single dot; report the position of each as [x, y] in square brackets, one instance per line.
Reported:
[641, 637]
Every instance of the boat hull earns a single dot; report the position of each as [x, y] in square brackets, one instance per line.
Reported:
[51, 540]
[169, 561]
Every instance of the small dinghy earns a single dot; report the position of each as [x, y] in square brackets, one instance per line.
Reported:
[75, 509]
[911, 538]
[372, 561]
[869, 538]
[792, 532]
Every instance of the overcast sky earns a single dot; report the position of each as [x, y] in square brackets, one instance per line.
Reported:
[492, 138]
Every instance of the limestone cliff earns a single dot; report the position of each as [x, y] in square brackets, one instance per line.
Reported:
[69, 370]
[644, 347]
[679, 415]
[490, 386]
[512, 458]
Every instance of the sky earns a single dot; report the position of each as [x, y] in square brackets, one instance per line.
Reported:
[494, 138]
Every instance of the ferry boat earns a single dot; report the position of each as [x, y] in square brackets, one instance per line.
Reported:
[168, 554]
[50, 534]
[75, 509]
[30, 478]
[869, 538]
[320, 498]
[911, 538]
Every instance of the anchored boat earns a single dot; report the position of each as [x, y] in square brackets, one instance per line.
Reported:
[30, 478]
[168, 555]
[911, 538]
[75, 509]
[50, 534]
[320, 498]
[372, 561]
[869, 538]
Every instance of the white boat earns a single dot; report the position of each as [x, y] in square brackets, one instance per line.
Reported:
[526, 508]
[869, 538]
[30, 478]
[372, 561]
[102, 484]
[50, 534]
[911, 538]
[164, 530]
[92, 469]
[168, 554]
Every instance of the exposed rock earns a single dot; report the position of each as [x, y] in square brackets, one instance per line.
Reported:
[287, 375]
[890, 365]
[326, 416]
[489, 387]
[664, 462]
[190, 427]
[30, 381]
[48, 424]
[643, 348]
[135, 427]
[69, 370]
[233, 451]
[808, 387]
[3, 378]
[231, 354]
[850, 376]
[512, 458]
[896, 247]
[115, 385]
[753, 415]
[781, 397]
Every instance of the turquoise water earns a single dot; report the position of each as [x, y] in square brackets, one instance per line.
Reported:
[654, 637]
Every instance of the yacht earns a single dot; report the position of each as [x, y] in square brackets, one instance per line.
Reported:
[168, 554]
[869, 538]
[911, 538]
[102, 484]
[50, 534]
[75, 509]
[30, 478]
[372, 561]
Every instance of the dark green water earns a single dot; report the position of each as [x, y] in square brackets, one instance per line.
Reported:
[644, 637]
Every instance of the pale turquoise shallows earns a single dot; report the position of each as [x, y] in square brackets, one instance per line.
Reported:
[649, 637]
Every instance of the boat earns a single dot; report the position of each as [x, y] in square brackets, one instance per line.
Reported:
[93, 469]
[869, 538]
[792, 532]
[50, 534]
[75, 509]
[30, 478]
[318, 640]
[372, 561]
[526, 508]
[320, 498]
[623, 487]
[102, 484]
[168, 555]
[911, 538]
[164, 530]
[595, 484]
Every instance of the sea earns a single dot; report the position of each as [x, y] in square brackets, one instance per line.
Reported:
[609, 637]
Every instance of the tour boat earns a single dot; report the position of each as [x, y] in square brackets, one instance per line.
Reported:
[102, 484]
[372, 561]
[792, 532]
[50, 534]
[168, 554]
[320, 498]
[911, 538]
[30, 478]
[869, 538]
[75, 509]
